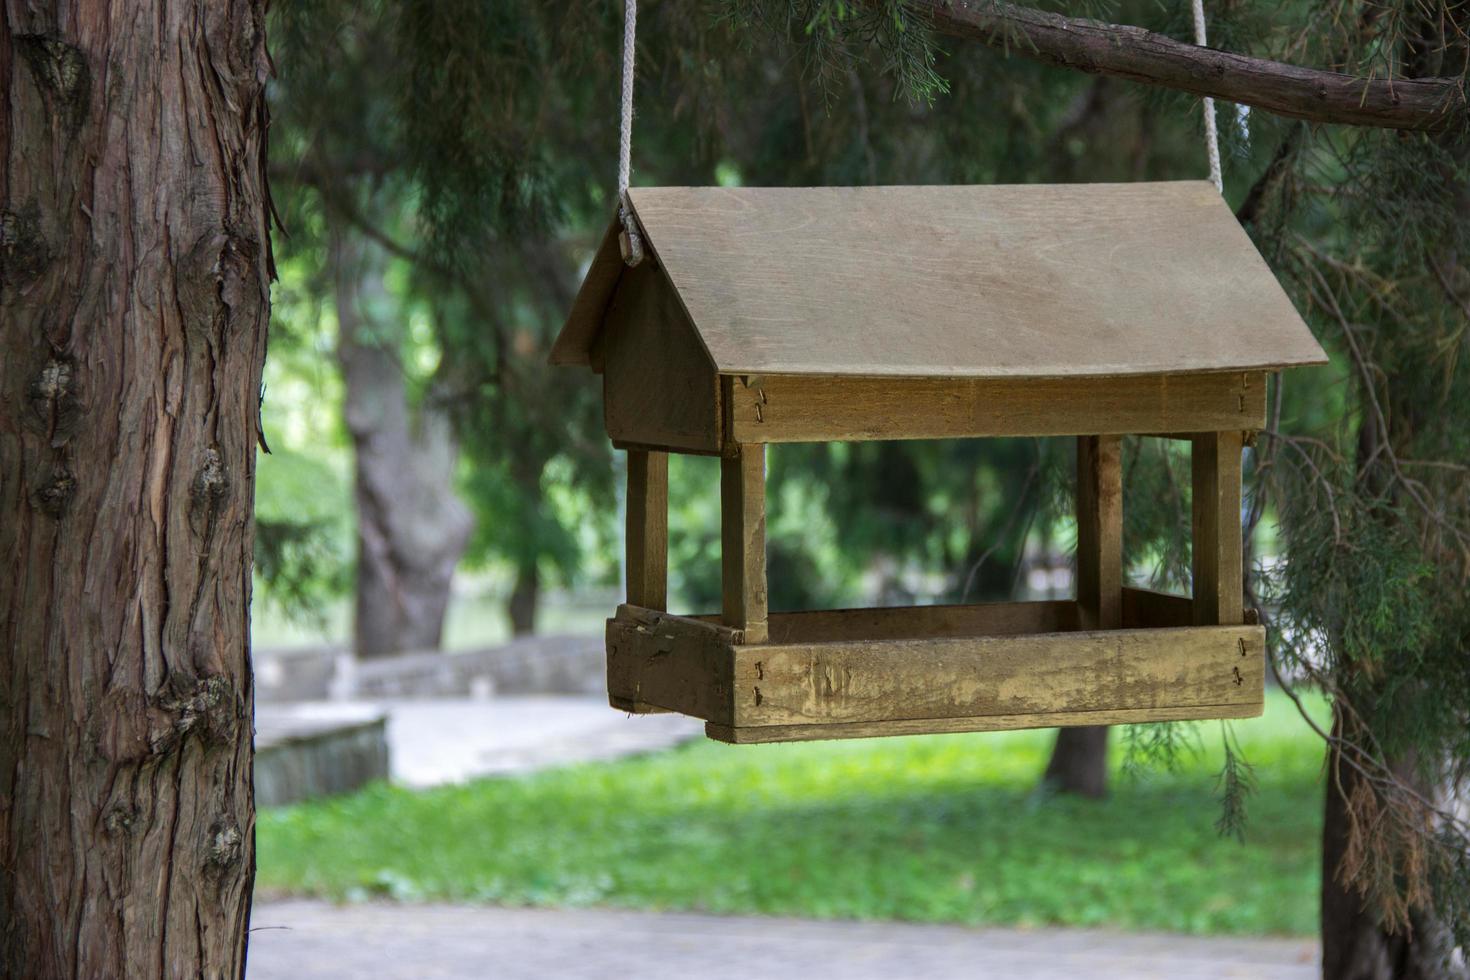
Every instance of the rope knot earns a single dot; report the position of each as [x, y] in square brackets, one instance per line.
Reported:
[630, 243]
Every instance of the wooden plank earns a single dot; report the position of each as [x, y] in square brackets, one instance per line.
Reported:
[655, 660]
[637, 707]
[1099, 511]
[1040, 675]
[916, 622]
[574, 343]
[647, 540]
[1100, 532]
[797, 691]
[972, 281]
[659, 386]
[625, 446]
[760, 734]
[806, 408]
[1144, 608]
[743, 542]
[1219, 584]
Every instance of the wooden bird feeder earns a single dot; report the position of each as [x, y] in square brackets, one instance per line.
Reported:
[766, 315]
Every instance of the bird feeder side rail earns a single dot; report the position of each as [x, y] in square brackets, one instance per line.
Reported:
[815, 408]
[807, 689]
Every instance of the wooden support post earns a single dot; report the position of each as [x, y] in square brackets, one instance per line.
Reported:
[1219, 585]
[1100, 532]
[743, 540]
[647, 546]
[1078, 761]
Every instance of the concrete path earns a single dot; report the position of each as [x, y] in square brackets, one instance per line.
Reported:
[300, 940]
[451, 740]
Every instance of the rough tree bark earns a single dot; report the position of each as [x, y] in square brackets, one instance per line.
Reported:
[134, 299]
[411, 528]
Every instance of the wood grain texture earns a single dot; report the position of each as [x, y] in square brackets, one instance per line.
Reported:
[763, 734]
[647, 530]
[637, 707]
[971, 281]
[743, 542]
[783, 408]
[1078, 762]
[574, 343]
[954, 683]
[914, 622]
[1219, 582]
[896, 680]
[1100, 531]
[658, 661]
[659, 387]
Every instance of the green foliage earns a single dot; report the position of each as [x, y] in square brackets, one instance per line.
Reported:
[461, 58]
[1156, 512]
[936, 521]
[491, 133]
[1159, 747]
[491, 128]
[827, 32]
[448, 135]
[694, 533]
[302, 533]
[1369, 230]
[1376, 515]
[807, 563]
[1237, 783]
[298, 565]
[935, 829]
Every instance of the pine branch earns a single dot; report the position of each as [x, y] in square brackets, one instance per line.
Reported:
[1430, 104]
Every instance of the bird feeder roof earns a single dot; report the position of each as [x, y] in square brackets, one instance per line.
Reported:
[1021, 281]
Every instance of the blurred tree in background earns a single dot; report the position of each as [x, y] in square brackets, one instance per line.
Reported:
[441, 325]
[461, 155]
[455, 139]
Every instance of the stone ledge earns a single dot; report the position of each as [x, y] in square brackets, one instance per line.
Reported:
[308, 751]
[529, 665]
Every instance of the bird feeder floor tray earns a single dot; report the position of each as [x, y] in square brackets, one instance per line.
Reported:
[927, 669]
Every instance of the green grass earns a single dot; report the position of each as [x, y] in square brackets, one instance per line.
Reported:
[933, 829]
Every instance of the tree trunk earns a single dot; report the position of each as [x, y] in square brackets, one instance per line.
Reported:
[411, 528]
[134, 299]
[523, 599]
[1356, 944]
[1079, 762]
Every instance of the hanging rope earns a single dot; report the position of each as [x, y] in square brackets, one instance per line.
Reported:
[630, 241]
[1212, 136]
